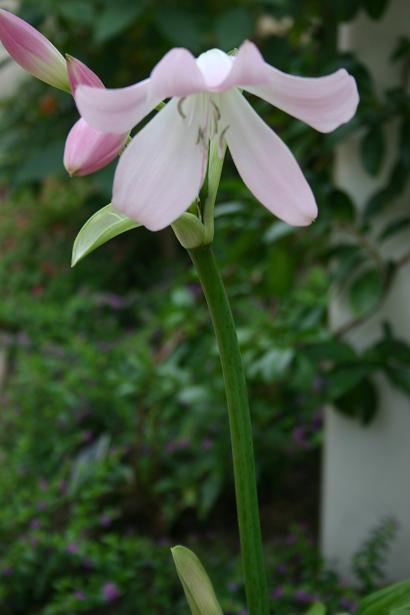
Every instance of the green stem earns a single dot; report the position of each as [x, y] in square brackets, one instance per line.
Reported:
[240, 427]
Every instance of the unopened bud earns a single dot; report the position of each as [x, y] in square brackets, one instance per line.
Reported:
[87, 150]
[33, 51]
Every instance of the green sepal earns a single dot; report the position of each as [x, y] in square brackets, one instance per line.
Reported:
[197, 585]
[189, 231]
[105, 224]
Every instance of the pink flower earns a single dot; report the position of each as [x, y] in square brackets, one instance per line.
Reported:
[87, 149]
[32, 51]
[161, 172]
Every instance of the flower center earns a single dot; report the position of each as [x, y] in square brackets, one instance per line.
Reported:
[214, 66]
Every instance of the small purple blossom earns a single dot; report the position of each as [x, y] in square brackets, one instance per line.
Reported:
[299, 436]
[43, 484]
[105, 520]
[177, 445]
[303, 596]
[110, 592]
[7, 572]
[79, 595]
[72, 548]
[34, 524]
[207, 444]
[282, 568]
[42, 505]
[278, 592]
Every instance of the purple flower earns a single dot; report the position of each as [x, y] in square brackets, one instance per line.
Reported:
[35, 524]
[207, 444]
[72, 548]
[281, 568]
[43, 484]
[7, 572]
[78, 595]
[110, 592]
[299, 436]
[105, 520]
[42, 505]
[317, 421]
[278, 592]
[303, 596]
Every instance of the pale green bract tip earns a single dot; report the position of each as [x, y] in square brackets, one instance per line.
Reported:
[197, 586]
[104, 225]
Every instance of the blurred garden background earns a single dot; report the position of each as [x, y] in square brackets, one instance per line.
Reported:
[113, 429]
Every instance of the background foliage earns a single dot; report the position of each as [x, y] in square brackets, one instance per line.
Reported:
[113, 438]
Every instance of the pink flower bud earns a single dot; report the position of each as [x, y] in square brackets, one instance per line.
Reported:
[33, 51]
[80, 74]
[87, 149]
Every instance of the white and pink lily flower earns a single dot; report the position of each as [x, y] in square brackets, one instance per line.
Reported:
[162, 170]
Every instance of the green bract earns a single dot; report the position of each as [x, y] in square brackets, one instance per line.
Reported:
[197, 586]
[100, 228]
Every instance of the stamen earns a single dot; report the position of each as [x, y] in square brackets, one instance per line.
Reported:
[217, 111]
[180, 109]
[221, 144]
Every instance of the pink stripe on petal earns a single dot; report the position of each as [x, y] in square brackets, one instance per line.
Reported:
[323, 102]
[115, 110]
[177, 74]
[265, 163]
[161, 172]
[80, 74]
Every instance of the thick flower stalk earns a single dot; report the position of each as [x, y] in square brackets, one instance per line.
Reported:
[162, 170]
[87, 149]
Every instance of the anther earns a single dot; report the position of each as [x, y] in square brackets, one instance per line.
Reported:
[221, 143]
[180, 109]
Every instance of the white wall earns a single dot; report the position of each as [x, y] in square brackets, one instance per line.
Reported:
[366, 473]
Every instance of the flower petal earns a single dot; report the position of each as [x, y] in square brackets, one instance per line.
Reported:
[80, 74]
[117, 110]
[248, 68]
[177, 74]
[265, 163]
[161, 172]
[324, 103]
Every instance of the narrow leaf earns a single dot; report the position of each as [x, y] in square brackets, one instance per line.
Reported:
[100, 228]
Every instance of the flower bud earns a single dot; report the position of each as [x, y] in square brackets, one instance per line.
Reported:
[33, 51]
[80, 74]
[87, 149]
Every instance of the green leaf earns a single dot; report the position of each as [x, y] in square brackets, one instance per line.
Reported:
[344, 378]
[180, 27]
[373, 150]
[196, 584]
[277, 231]
[375, 8]
[116, 18]
[233, 27]
[100, 228]
[394, 228]
[387, 600]
[366, 291]
[77, 11]
[345, 10]
[360, 401]
[342, 208]
[41, 164]
[318, 608]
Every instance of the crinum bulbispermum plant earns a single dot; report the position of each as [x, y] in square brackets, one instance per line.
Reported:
[176, 157]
